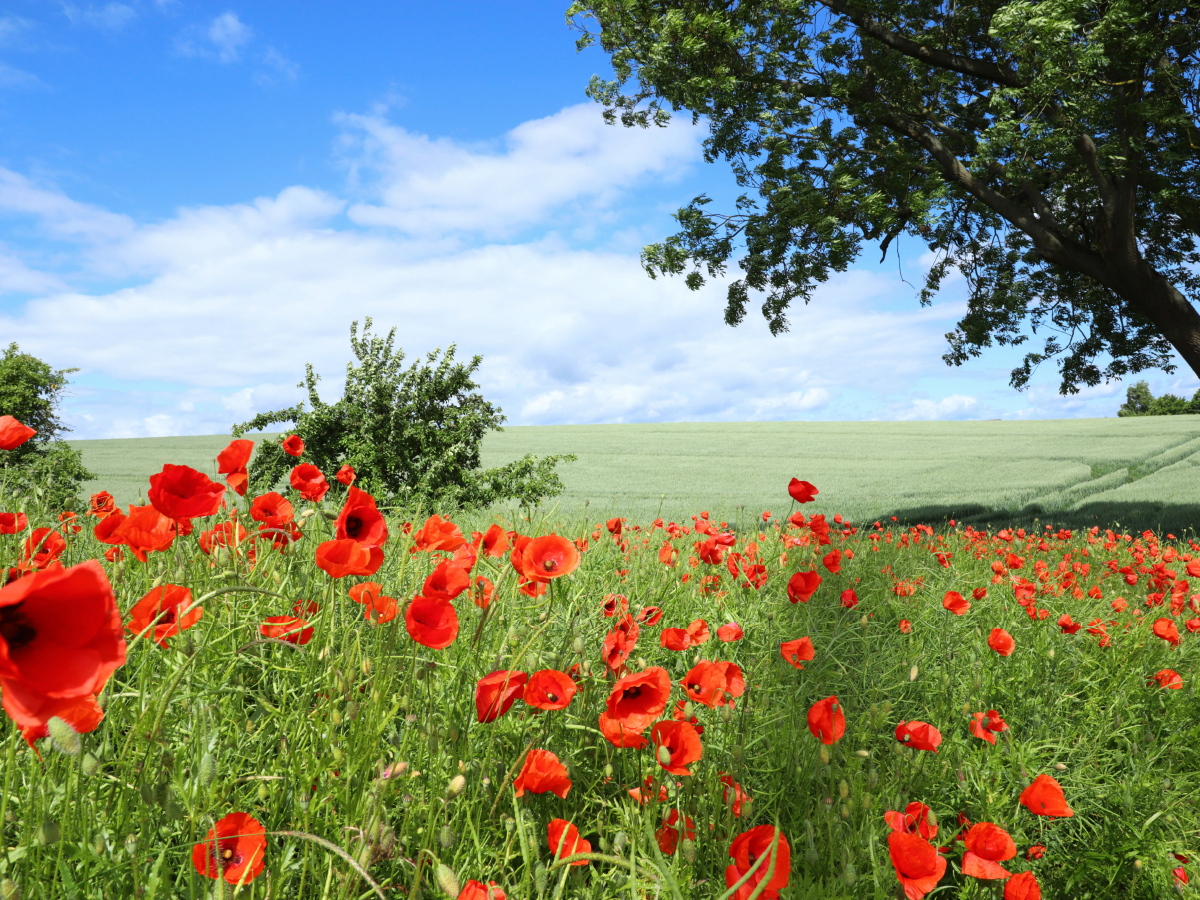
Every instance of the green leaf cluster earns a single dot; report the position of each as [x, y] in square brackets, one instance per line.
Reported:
[45, 467]
[1140, 402]
[412, 434]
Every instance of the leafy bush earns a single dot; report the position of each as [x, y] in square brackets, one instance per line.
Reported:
[44, 466]
[1140, 402]
[412, 435]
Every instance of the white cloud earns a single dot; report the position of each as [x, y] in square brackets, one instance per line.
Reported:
[278, 68]
[12, 27]
[955, 406]
[13, 77]
[222, 40]
[60, 216]
[110, 17]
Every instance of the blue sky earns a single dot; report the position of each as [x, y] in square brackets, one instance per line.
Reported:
[196, 199]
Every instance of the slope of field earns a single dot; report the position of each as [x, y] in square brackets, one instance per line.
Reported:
[1139, 472]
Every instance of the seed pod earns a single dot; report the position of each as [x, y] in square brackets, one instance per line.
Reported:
[823, 755]
[208, 769]
[577, 646]
[65, 738]
[510, 824]
[456, 785]
[446, 880]
[912, 673]
[447, 838]
[90, 765]
[843, 789]
[664, 755]
[131, 844]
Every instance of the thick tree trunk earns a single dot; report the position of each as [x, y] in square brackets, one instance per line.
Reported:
[1155, 297]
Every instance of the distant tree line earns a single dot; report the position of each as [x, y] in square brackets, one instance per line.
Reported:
[1140, 402]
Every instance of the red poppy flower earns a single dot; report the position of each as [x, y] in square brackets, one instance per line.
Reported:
[979, 593]
[649, 615]
[431, 621]
[477, 890]
[60, 640]
[1002, 642]
[798, 651]
[620, 735]
[548, 557]
[988, 845]
[802, 491]
[101, 504]
[731, 631]
[348, 557]
[918, 865]
[667, 837]
[161, 608]
[564, 841]
[346, 474]
[636, 700]
[747, 848]
[709, 682]
[802, 586]
[42, 547]
[1165, 629]
[549, 689]
[1044, 797]
[11, 523]
[826, 720]
[309, 481]
[1067, 625]
[682, 743]
[1037, 851]
[914, 820]
[643, 794]
[83, 715]
[226, 534]
[919, 735]
[985, 724]
[1167, 678]
[13, 434]
[234, 849]
[494, 541]
[832, 561]
[740, 797]
[293, 445]
[446, 581]
[1022, 886]
[496, 692]
[438, 534]
[905, 626]
[232, 463]
[286, 628]
[676, 639]
[180, 492]
[365, 591]
[956, 603]
[360, 520]
[272, 509]
[849, 599]
[481, 591]
[543, 773]
[380, 609]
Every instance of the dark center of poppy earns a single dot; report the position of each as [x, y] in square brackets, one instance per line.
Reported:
[550, 565]
[631, 693]
[354, 526]
[226, 856]
[15, 628]
[553, 698]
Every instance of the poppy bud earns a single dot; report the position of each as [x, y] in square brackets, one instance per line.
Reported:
[1137, 864]
[577, 646]
[208, 769]
[850, 875]
[843, 789]
[619, 842]
[688, 848]
[447, 838]
[89, 765]
[456, 785]
[421, 674]
[65, 739]
[1060, 767]
[863, 621]
[1050, 653]
[872, 778]
[263, 793]
[608, 770]
[664, 755]
[726, 714]
[689, 709]
[912, 673]
[539, 878]
[48, 832]
[336, 753]
[823, 755]
[978, 681]
[845, 811]
[99, 845]
[866, 802]
[9, 890]
[366, 666]
[447, 880]
[862, 754]
[770, 615]
[336, 717]
[147, 792]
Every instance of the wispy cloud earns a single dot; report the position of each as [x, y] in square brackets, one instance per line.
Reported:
[222, 39]
[277, 68]
[110, 17]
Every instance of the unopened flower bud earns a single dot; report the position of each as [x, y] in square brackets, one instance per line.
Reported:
[447, 838]
[688, 848]
[446, 880]
[823, 755]
[208, 769]
[65, 738]
[90, 765]
[843, 789]
[619, 842]
[48, 832]
[456, 785]
[664, 755]
[850, 875]
[9, 890]
[912, 673]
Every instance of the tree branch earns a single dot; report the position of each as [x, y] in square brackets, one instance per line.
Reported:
[976, 68]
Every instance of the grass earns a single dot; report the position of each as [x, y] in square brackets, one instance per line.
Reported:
[219, 721]
[1072, 472]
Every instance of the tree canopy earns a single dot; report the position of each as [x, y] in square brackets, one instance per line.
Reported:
[1046, 149]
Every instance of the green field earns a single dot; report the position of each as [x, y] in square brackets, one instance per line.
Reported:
[1140, 472]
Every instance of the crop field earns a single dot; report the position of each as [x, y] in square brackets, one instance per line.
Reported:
[1137, 471]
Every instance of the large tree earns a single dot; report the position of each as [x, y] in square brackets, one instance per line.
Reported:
[1047, 149]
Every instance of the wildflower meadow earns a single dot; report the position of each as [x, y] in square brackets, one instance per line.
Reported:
[298, 694]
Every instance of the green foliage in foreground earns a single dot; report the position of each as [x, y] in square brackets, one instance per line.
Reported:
[412, 434]
[45, 465]
[1140, 402]
[298, 737]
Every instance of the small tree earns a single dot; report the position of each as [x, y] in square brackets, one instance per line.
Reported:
[1140, 402]
[411, 434]
[1137, 400]
[45, 466]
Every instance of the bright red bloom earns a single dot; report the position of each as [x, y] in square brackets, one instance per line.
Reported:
[477, 890]
[636, 700]
[956, 603]
[802, 586]
[988, 845]
[309, 481]
[234, 849]
[102, 504]
[549, 689]
[985, 724]
[682, 742]
[826, 720]
[643, 794]
[365, 591]
[42, 547]
[232, 463]
[481, 591]
[919, 735]
[676, 639]
[649, 615]
[802, 491]
[798, 651]
[739, 796]
[346, 474]
[348, 557]
[543, 773]
[60, 640]
[918, 865]
[494, 541]
[431, 621]
[1044, 797]
[564, 841]
[438, 534]
[849, 599]
[13, 434]
[1002, 642]
[914, 820]
[1037, 851]
[731, 631]
[979, 593]
[620, 735]
[709, 682]
[667, 836]
[1068, 625]
[293, 445]
[83, 715]
[380, 609]
[160, 608]
[905, 626]
[1167, 678]
[446, 581]
[286, 628]
[496, 692]
[180, 492]
[1165, 629]
[548, 557]
[11, 523]
[1022, 886]
[747, 848]
[360, 520]
[272, 509]
[832, 561]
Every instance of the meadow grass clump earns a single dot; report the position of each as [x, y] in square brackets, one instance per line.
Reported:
[588, 709]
